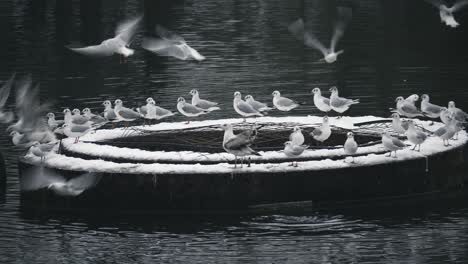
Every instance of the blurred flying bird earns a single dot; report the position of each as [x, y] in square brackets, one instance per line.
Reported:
[446, 13]
[6, 117]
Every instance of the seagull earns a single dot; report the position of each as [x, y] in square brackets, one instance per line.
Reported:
[52, 122]
[296, 137]
[330, 55]
[322, 103]
[70, 118]
[41, 150]
[162, 113]
[458, 114]
[391, 143]
[123, 113]
[445, 116]
[291, 150]
[340, 104]
[189, 110]
[430, 110]
[415, 136]
[322, 132]
[239, 145]
[76, 131]
[412, 98]
[20, 140]
[117, 45]
[109, 112]
[148, 111]
[398, 125]
[350, 146]
[43, 178]
[283, 103]
[203, 104]
[446, 13]
[447, 132]
[95, 119]
[406, 108]
[259, 106]
[171, 44]
[242, 108]
[6, 117]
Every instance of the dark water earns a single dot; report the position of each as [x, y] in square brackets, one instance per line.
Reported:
[393, 48]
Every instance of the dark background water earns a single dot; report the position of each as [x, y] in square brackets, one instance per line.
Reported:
[392, 48]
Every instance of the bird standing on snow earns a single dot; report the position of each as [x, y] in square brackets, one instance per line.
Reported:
[242, 108]
[322, 132]
[282, 103]
[350, 146]
[124, 114]
[76, 131]
[329, 55]
[429, 109]
[391, 143]
[52, 122]
[446, 13]
[189, 110]
[406, 108]
[398, 125]
[41, 150]
[259, 106]
[458, 114]
[239, 145]
[340, 104]
[322, 103]
[109, 112]
[415, 136]
[447, 132]
[116, 45]
[296, 137]
[291, 150]
[93, 118]
[203, 104]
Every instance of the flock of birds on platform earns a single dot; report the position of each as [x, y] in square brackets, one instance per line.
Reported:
[38, 134]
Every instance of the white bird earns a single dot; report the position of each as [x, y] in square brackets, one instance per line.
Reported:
[171, 44]
[70, 118]
[52, 122]
[445, 116]
[322, 132]
[117, 45]
[189, 110]
[20, 140]
[447, 132]
[6, 117]
[95, 119]
[43, 178]
[398, 125]
[76, 131]
[239, 145]
[124, 113]
[446, 13]
[201, 103]
[429, 109]
[259, 106]
[322, 103]
[243, 108]
[391, 143]
[282, 103]
[350, 146]
[148, 111]
[458, 114]
[415, 136]
[412, 98]
[296, 137]
[292, 151]
[42, 150]
[330, 54]
[109, 112]
[406, 108]
[340, 104]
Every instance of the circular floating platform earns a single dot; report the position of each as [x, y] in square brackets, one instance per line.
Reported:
[182, 167]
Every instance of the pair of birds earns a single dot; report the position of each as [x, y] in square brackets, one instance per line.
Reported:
[446, 13]
[252, 108]
[413, 134]
[197, 107]
[335, 102]
[167, 44]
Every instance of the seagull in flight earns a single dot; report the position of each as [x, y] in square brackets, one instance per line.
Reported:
[446, 13]
[119, 44]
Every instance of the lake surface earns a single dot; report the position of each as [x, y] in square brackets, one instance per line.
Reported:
[392, 48]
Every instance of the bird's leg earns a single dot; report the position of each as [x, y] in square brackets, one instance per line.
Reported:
[432, 123]
[395, 155]
[353, 160]
[242, 162]
[249, 162]
[414, 148]
[188, 122]
[296, 164]
[235, 162]
[389, 154]
[292, 163]
[245, 120]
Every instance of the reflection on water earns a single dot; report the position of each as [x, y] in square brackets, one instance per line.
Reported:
[392, 48]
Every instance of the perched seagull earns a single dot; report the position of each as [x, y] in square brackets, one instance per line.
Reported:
[41, 178]
[41, 150]
[148, 111]
[239, 145]
[116, 45]
[446, 13]
[189, 110]
[259, 106]
[445, 116]
[242, 108]
[52, 122]
[109, 112]
[391, 143]
[291, 150]
[123, 113]
[412, 98]
[296, 137]
[76, 131]
[322, 103]
[322, 132]
[171, 44]
[429, 109]
[95, 119]
[350, 146]
[283, 103]
[415, 136]
[398, 125]
[77, 118]
[330, 55]
[162, 113]
[203, 104]
[458, 114]
[405, 108]
[340, 104]
[447, 132]
[6, 117]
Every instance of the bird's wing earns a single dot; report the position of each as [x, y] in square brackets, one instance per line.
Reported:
[432, 108]
[317, 132]
[236, 143]
[398, 142]
[127, 29]
[340, 101]
[161, 111]
[206, 104]
[311, 41]
[163, 47]
[285, 101]
[409, 108]
[143, 110]
[188, 108]
[85, 181]
[458, 5]
[38, 178]
[325, 100]
[79, 128]
[439, 132]
[297, 29]
[421, 135]
[297, 150]
[246, 108]
[128, 113]
[436, 3]
[167, 34]
[344, 16]
[104, 49]
[5, 91]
